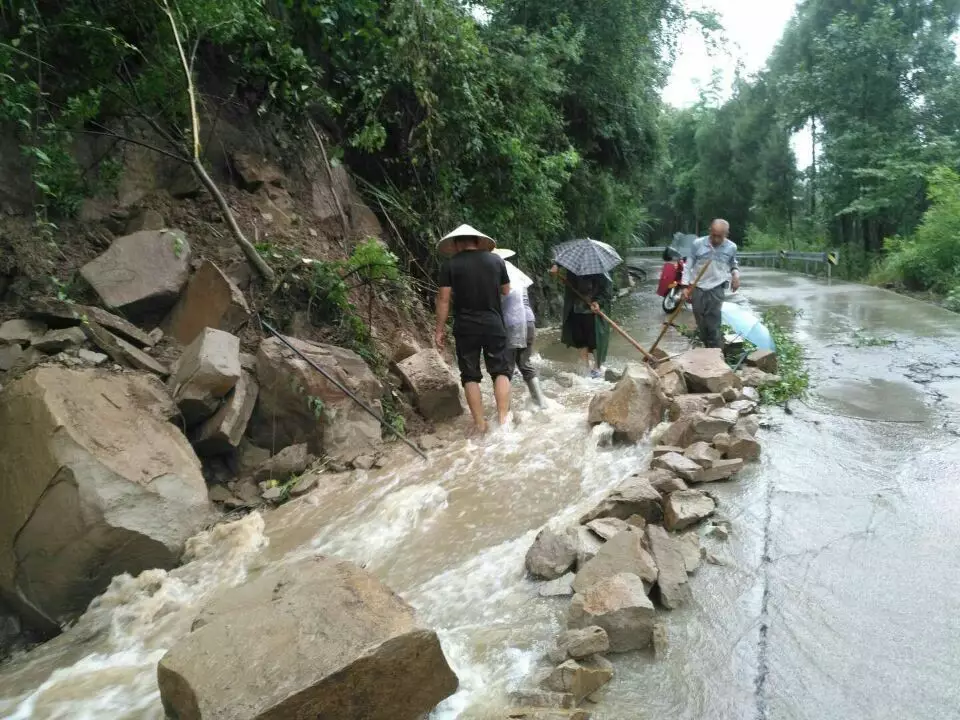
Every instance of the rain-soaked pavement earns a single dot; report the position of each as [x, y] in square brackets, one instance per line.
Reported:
[838, 596]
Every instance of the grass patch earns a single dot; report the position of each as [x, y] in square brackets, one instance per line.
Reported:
[794, 379]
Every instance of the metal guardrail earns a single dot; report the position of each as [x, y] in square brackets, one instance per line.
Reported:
[783, 259]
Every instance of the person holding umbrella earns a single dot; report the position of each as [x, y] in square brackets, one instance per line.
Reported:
[589, 290]
[521, 326]
[474, 280]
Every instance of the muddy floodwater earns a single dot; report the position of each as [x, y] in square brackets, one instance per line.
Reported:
[838, 595]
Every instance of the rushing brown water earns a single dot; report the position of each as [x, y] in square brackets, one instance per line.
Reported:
[838, 596]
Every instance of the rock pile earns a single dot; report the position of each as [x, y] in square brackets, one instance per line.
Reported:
[118, 435]
[633, 552]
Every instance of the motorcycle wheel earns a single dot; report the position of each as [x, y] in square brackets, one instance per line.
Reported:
[671, 300]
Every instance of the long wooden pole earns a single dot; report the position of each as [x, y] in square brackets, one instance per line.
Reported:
[612, 324]
[673, 315]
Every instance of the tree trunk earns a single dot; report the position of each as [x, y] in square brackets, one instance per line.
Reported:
[266, 272]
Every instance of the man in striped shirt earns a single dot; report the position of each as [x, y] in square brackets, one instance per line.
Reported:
[708, 295]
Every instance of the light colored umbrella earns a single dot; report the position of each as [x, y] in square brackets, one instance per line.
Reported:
[586, 257]
[447, 245]
[518, 279]
[505, 253]
[747, 325]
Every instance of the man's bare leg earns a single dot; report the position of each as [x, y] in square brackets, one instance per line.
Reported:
[501, 391]
[475, 403]
[585, 358]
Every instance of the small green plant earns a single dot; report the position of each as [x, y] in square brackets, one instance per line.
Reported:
[62, 290]
[794, 379]
[179, 242]
[316, 406]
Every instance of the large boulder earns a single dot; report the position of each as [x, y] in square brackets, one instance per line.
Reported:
[623, 553]
[636, 404]
[141, 274]
[298, 404]
[618, 604]
[206, 372]
[757, 378]
[434, 386]
[706, 371]
[553, 553]
[21, 332]
[95, 483]
[319, 638]
[210, 299]
[672, 578]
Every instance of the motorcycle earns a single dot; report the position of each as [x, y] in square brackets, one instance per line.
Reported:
[669, 287]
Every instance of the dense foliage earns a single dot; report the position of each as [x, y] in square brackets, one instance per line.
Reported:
[535, 120]
[877, 85]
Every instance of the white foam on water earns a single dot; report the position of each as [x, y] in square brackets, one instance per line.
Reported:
[127, 630]
[398, 514]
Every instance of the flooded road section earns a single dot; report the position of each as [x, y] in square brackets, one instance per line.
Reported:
[838, 596]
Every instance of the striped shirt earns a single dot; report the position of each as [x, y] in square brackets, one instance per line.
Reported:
[724, 262]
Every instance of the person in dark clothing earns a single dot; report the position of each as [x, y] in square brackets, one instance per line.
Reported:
[475, 280]
[582, 328]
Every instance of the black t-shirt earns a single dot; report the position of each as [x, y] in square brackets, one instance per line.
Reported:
[476, 278]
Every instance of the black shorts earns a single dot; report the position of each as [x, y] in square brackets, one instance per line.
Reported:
[495, 356]
[583, 330]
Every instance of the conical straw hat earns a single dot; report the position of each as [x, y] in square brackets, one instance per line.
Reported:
[446, 245]
[504, 253]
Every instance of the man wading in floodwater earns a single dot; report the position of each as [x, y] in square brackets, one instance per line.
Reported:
[476, 279]
[708, 295]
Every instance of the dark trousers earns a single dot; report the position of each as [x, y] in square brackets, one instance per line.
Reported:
[706, 311]
[520, 357]
[496, 356]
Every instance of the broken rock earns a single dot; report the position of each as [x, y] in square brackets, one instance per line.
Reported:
[579, 644]
[634, 496]
[59, 314]
[677, 464]
[624, 553]
[618, 604]
[55, 341]
[561, 587]
[21, 332]
[552, 554]
[672, 577]
[757, 378]
[687, 507]
[588, 545]
[317, 638]
[692, 404]
[766, 360]
[702, 453]
[660, 450]
[705, 427]
[607, 527]
[706, 371]
[141, 274]
[598, 404]
[223, 431]
[580, 678]
[434, 386]
[290, 461]
[208, 369]
[121, 351]
[689, 544]
[210, 300]
[636, 404]
[719, 470]
[10, 355]
[96, 484]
